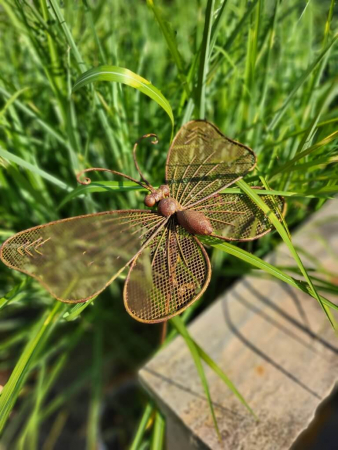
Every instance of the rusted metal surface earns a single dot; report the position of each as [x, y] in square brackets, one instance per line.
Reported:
[202, 161]
[76, 258]
[273, 341]
[180, 273]
[169, 269]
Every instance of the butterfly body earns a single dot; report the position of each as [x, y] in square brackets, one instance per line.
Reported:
[168, 268]
[168, 206]
[195, 222]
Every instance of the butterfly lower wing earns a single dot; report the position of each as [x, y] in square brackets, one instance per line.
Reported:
[76, 258]
[168, 275]
[202, 161]
[235, 217]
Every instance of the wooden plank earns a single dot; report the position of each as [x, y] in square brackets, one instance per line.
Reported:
[275, 344]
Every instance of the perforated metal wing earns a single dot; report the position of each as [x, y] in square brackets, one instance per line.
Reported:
[76, 258]
[202, 161]
[235, 217]
[170, 274]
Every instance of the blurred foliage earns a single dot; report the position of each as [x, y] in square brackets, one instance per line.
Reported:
[264, 71]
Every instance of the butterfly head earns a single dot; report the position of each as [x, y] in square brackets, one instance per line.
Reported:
[167, 206]
[157, 195]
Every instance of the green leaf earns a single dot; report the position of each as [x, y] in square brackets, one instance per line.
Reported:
[10, 101]
[287, 166]
[125, 76]
[13, 293]
[93, 425]
[277, 117]
[314, 193]
[26, 165]
[170, 38]
[286, 238]
[44, 125]
[13, 386]
[238, 28]
[82, 68]
[211, 363]
[204, 59]
[102, 186]
[261, 264]
[217, 25]
[157, 441]
[141, 429]
[181, 328]
[74, 311]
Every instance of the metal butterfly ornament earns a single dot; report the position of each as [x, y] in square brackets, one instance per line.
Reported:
[77, 258]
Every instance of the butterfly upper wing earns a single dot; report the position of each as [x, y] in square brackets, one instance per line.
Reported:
[167, 276]
[235, 217]
[202, 161]
[76, 258]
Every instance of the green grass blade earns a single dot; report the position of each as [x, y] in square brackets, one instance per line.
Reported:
[230, 41]
[66, 395]
[181, 328]
[273, 192]
[141, 429]
[44, 125]
[26, 165]
[102, 186]
[13, 386]
[54, 57]
[169, 36]
[270, 45]
[286, 238]
[217, 25]
[313, 164]
[263, 265]
[157, 440]
[301, 80]
[74, 311]
[204, 60]
[323, 104]
[10, 101]
[94, 409]
[68, 34]
[82, 68]
[285, 167]
[211, 363]
[12, 295]
[129, 78]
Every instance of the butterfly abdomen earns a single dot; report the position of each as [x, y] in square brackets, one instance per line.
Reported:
[195, 222]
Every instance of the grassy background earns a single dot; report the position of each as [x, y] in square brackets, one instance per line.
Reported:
[265, 72]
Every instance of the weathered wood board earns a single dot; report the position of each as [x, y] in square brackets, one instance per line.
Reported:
[273, 341]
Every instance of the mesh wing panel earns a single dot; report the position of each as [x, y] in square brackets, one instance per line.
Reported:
[235, 217]
[76, 258]
[167, 276]
[201, 161]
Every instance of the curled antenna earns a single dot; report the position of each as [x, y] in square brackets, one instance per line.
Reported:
[87, 180]
[154, 141]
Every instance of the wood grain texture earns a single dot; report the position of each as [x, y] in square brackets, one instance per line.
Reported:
[275, 344]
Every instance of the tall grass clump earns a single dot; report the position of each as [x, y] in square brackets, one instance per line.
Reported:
[79, 83]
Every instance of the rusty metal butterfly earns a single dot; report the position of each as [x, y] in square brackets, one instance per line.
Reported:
[77, 258]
